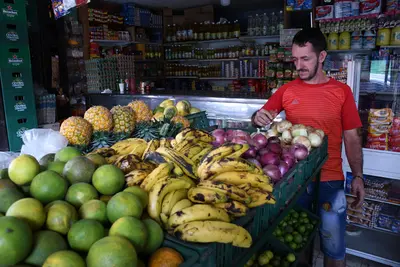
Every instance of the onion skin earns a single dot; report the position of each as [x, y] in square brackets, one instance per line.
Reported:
[274, 140]
[299, 151]
[263, 151]
[320, 132]
[255, 161]
[283, 167]
[260, 140]
[275, 148]
[289, 159]
[287, 137]
[272, 132]
[250, 153]
[315, 139]
[272, 172]
[283, 126]
[302, 140]
[299, 130]
[269, 159]
[218, 132]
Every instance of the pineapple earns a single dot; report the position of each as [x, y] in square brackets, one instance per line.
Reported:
[77, 130]
[147, 131]
[124, 120]
[182, 120]
[142, 111]
[100, 118]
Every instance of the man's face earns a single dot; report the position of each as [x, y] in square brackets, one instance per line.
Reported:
[305, 60]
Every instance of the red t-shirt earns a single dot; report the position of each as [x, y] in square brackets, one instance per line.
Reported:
[329, 106]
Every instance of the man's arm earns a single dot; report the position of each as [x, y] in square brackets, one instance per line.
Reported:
[352, 143]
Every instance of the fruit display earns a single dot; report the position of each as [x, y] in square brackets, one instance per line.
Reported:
[79, 216]
[271, 258]
[278, 149]
[182, 108]
[295, 229]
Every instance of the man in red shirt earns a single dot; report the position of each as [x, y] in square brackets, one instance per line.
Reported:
[324, 103]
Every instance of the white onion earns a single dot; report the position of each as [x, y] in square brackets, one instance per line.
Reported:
[272, 132]
[315, 139]
[299, 130]
[302, 140]
[320, 132]
[283, 126]
[287, 136]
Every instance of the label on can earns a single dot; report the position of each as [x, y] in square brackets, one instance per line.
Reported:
[17, 83]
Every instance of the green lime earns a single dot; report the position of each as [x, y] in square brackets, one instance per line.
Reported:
[281, 239]
[288, 238]
[289, 229]
[303, 214]
[309, 227]
[302, 229]
[294, 221]
[283, 224]
[290, 257]
[295, 233]
[285, 264]
[278, 232]
[270, 254]
[305, 220]
[293, 246]
[295, 215]
[263, 259]
[297, 239]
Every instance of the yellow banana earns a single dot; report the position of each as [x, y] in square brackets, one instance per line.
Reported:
[127, 163]
[220, 152]
[230, 190]
[180, 205]
[228, 165]
[159, 191]
[145, 166]
[154, 157]
[164, 142]
[130, 145]
[196, 158]
[183, 162]
[112, 159]
[239, 178]
[244, 187]
[234, 208]
[105, 152]
[177, 171]
[259, 198]
[171, 199]
[185, 144]
[203, 136]
[198, 212]
[187, 179]
[164, 220]
[214, 231]
[151, 147]
[163, 170]
[239, 152]
[203, 195]
[173, 143]
[205, 145]
[135, 177]
[192, 151]
[185, 133]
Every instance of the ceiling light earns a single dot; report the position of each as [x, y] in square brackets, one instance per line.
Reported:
[225, 2]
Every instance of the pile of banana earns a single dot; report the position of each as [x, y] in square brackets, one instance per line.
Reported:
[195, 191]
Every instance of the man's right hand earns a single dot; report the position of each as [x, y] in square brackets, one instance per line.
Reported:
[264, 117]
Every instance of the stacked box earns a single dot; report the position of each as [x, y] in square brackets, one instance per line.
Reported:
[15, 72]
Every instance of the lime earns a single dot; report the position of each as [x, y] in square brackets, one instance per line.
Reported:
[314, 222]
[281, 239]
[290, 257]
[283, 224]
[298, 239]
[288, 238]
[295, 233]
[263, 259]
[303, 214]
[289, 229]
[295, 215]
[293, 246]
[285, 264]
[294, 221]
[270, 254]
[278, 232]
[309, 227]
[302, 229]
[305, 220]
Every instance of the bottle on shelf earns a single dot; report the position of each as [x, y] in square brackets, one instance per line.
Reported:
[265, 22]
[173, 33]
[257, 24]
[195, 31]
[236, 29]
[280, 22]
[201, 32]
[250, 26]
[273, 25]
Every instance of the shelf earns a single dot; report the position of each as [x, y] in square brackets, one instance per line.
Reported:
[119, 42]
[351, 51]
[182, 60]
[147, 60]
[375, 246]
[390, 46]
[254, 78]
[377, 229]
[181, 77]
[219, 78]
[274, 38]
[255, 57]
[377, 200]
[218, 59]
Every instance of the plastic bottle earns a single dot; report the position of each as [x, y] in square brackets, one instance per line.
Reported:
[344, 40]
[356, 40]
[257, 24]
[369, 39]
[280, 22]
[333, 41]
[250, 28]
[273, 25]
[265, 25]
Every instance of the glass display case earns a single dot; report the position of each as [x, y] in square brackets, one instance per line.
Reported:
[374, 230]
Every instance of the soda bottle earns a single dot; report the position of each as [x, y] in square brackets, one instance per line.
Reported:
[274, 22]
[265, 25]
[257, 25]
[250, 27]
[280, 24]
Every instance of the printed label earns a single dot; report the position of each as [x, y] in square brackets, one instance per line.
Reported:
[12, 36]
[20, 106]
[17, 83]
[8, 11]
[15, 60]
[21, 131]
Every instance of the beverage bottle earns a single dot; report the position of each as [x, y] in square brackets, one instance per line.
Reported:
[201, 32]
[169, 37]
[213, 31]
[236, 29]
[257, 25]
[195, 31]
[274, 22]
[265, 24]
[280, 23]
[173, 33]
[190, 32]
[184, 32]
[207, 33]
[250, 29]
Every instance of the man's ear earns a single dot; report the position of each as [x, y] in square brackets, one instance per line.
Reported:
[322, 56]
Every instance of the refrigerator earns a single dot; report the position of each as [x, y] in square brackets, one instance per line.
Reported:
[3, 127]
[373, 232]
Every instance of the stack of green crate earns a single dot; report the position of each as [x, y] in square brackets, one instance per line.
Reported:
[15, 72]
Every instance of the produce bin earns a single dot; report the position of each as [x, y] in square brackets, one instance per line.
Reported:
[277, 249]
[261, 221]
[198, 120]
[189, 255]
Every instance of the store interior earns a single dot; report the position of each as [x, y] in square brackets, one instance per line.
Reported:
[226, 58]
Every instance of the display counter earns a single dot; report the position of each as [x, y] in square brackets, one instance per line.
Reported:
[226, 111]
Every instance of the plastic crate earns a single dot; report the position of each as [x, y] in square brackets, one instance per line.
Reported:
[15, 57]
[277, 249]
[19, 103]
[12, 11]
[16, 126]
[16, 80]
[262, 219]
[198, 120]
[190, 256]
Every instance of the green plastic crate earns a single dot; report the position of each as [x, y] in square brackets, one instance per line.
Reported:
[12, 80]
[198, 120]
[16, 126]
[277, 249]
[15, 57]
[13, 33]
[12, 11]
[19, 103]
[190, 256]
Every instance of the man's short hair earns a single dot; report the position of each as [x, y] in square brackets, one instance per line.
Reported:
[313, 36]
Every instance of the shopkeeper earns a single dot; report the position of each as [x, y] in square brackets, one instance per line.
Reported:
[321, 102]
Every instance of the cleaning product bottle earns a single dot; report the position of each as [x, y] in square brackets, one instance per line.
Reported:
[344, 40]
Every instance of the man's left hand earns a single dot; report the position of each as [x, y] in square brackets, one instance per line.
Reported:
[357, 189]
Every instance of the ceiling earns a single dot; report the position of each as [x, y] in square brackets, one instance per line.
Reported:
[174, 4]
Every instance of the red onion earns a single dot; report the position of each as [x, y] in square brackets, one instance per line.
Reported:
[219, 139]
[273, 172]
[274, 147]
[255, 161]
[250, 153]
[239, 140]
[290, 160]
[274, 140]
[260, 140]
[258, 157]
[218, 132]
[269, 158]
[263, 151]
[299, 151]
[229, 134]
[283, 167]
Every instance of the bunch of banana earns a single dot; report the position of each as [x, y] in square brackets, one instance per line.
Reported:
[178, 159]
[152, 145]
[105, 152]
[260, 197]
[193, 134]
[162, 171]
[135, 146]
[234, 208]
[214, 231]
[135, 177]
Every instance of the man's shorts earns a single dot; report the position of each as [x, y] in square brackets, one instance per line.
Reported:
[332, 210]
